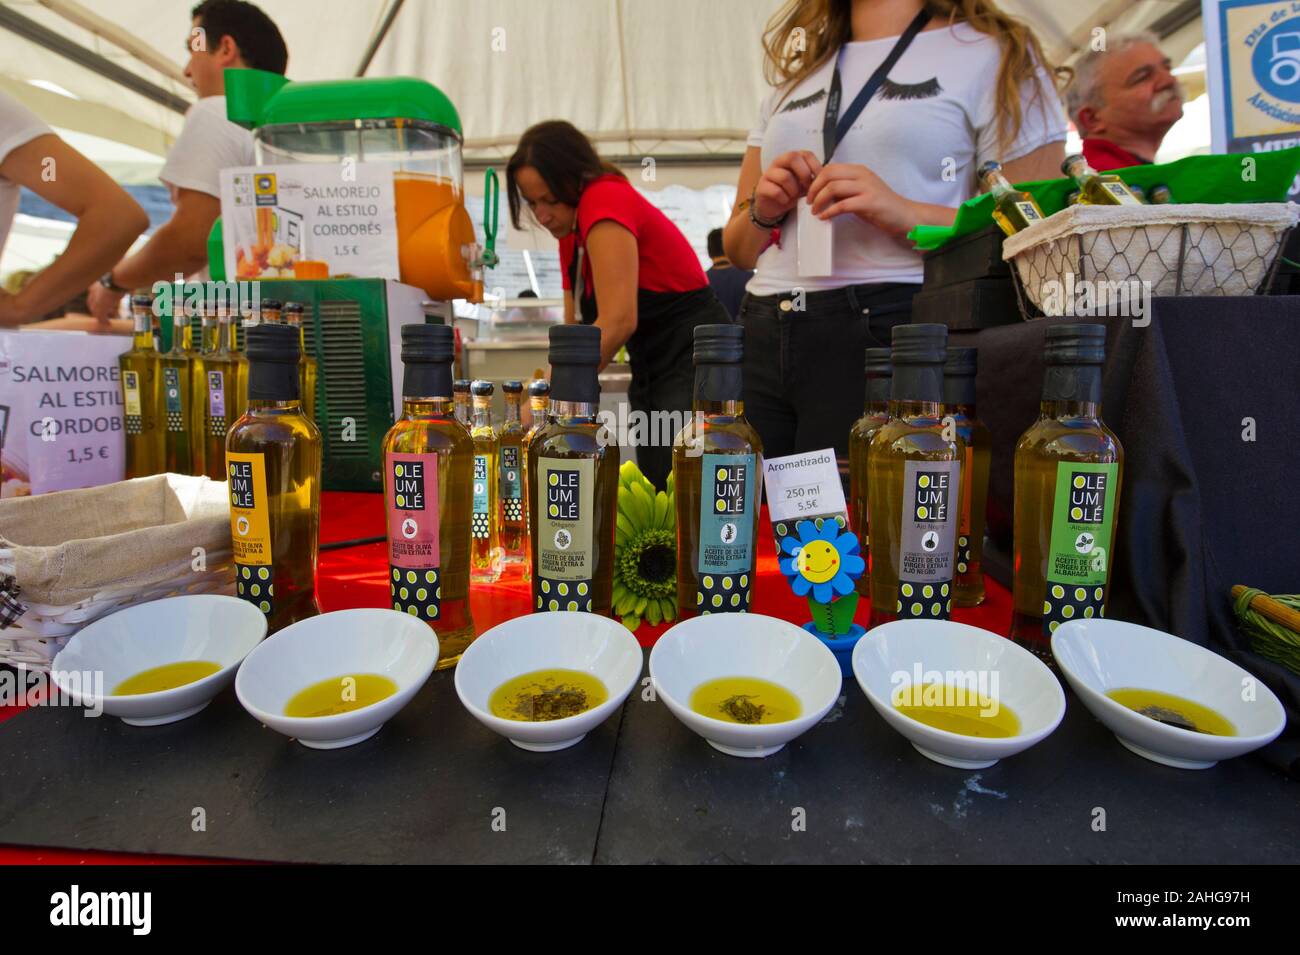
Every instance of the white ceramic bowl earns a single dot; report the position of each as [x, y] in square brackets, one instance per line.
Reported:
[907, 652]
[345, 642]
[561, 639]
[1098, 655]
[209, 627]
[718, 645]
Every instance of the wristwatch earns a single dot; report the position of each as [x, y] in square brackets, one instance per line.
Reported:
[106, 280]
[763, 223]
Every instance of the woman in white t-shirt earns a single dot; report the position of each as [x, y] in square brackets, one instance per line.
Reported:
[970, 86]
[108, 220]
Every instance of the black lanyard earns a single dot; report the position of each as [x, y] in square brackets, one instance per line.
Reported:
[834, 126]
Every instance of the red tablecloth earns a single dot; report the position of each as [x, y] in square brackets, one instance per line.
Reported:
[357, 576]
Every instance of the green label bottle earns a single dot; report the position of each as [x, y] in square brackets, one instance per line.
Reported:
[913, 486]
[717, 460]
[573, 472]
[1068, 468]
[273, 463]
[959, 405]
[510, 476]
[428, 489]
[874, 415]
[142, 379]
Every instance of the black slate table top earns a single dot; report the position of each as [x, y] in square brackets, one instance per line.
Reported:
[435, 786]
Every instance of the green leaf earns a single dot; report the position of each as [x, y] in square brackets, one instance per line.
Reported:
[821, 614]
[631, 622]
[842, 611]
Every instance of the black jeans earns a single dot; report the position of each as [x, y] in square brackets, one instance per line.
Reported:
[805, 377]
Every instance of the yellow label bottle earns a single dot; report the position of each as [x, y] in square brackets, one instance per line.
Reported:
[573, 472]
[1068, 468]
[1098, 189]
[460, 394]
[485, 547]
[539, 399]
[874, 415]
[141, 377]
[293, 314]
[214, 393]
[913, 483]
[428, 478]
[273, 463]
[1013, 210]
[959, 407]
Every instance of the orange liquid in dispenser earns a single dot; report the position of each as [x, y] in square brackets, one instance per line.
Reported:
[432, 228]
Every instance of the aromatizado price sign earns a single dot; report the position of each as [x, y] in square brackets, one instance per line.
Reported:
[803, 485]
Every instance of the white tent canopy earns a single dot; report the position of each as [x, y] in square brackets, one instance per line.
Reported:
[670, 78]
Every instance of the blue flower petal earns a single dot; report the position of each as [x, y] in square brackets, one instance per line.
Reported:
[841, 583]
[801, 585]
[848, 543]
[790, 545]
[822, 593]
[830, 530]
[853, 564]
[787, 565]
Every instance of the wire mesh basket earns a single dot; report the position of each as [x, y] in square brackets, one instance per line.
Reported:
[1094, 259]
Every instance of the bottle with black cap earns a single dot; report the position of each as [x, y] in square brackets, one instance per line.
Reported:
[959, 406]
[510, 478]
[141, 376]
[717, 459]
[573, 478]
[428, 493]
[1068, 469]
[293, 316]
[460, 392]
[273, 461]
[177, 366]
[485, 529]
[539, 399]
[913, 478]
[874, 415]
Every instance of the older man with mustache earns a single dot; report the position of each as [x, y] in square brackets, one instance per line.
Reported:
[1123, 100]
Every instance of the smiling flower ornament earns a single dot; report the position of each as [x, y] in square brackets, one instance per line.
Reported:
[822, 562]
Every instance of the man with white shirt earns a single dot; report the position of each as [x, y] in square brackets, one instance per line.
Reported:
[226, 34]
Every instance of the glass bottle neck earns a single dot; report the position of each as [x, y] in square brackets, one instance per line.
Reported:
[210, 336]
[915, 409]
[432, 407]
[724, 409]
[142, 329]
[482, 412]
[573, 412]
[263, 404]
[1070, 408]
[514, 409]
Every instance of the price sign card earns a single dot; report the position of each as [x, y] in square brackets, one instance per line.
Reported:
[342, 214]
[803, 487]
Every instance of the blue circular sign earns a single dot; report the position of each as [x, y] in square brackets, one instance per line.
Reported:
[1276, 61]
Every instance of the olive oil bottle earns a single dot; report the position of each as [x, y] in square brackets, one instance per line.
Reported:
[214, 396]
[485, 529]
[237, 343]
[141, 375]
[1068, 469]
[307, 373]
[461, 388]
[717, 460]
[959, 405]
[573, 474]
[177, 388]
[913, 481]
[539, 392]
[510, 478]
[273, 458]
[1098, 189]
[428, 491]
[874, 415]
[1013, 210]
[199, 395]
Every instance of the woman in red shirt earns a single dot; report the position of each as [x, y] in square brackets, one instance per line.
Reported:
[627, 269]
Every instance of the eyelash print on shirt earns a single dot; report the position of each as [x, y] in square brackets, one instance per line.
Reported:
[795, 104]
[891, 90]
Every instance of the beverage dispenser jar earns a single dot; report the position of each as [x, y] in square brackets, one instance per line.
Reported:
[406, 122]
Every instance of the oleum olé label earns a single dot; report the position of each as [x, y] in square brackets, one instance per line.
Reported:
[724, 554]
[131, 391]
[217, 404]
[1082, 521]
[250, 530]
[925, 569]
[414, 564]
[173, 396]
[511, 484]
[565, 560]
[481, 522]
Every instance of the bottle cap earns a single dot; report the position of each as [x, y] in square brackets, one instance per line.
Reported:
[961, 362]
[460, 385]
[481, 388]
[719, 344]
[512, 387]
[271, 305]
[141, 301]
[426, 343]
[1075, 343]
[985, 168]
[878, 362]
[1070, 162]
[271, 342]
[923, 344]
[539, 388]
[574, 345]
[295, 308]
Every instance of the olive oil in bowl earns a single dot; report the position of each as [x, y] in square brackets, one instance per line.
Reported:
[955, 709]
[745, 699]
[1173, 711]
[340, 694]
[545, 695]
[166, 677]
